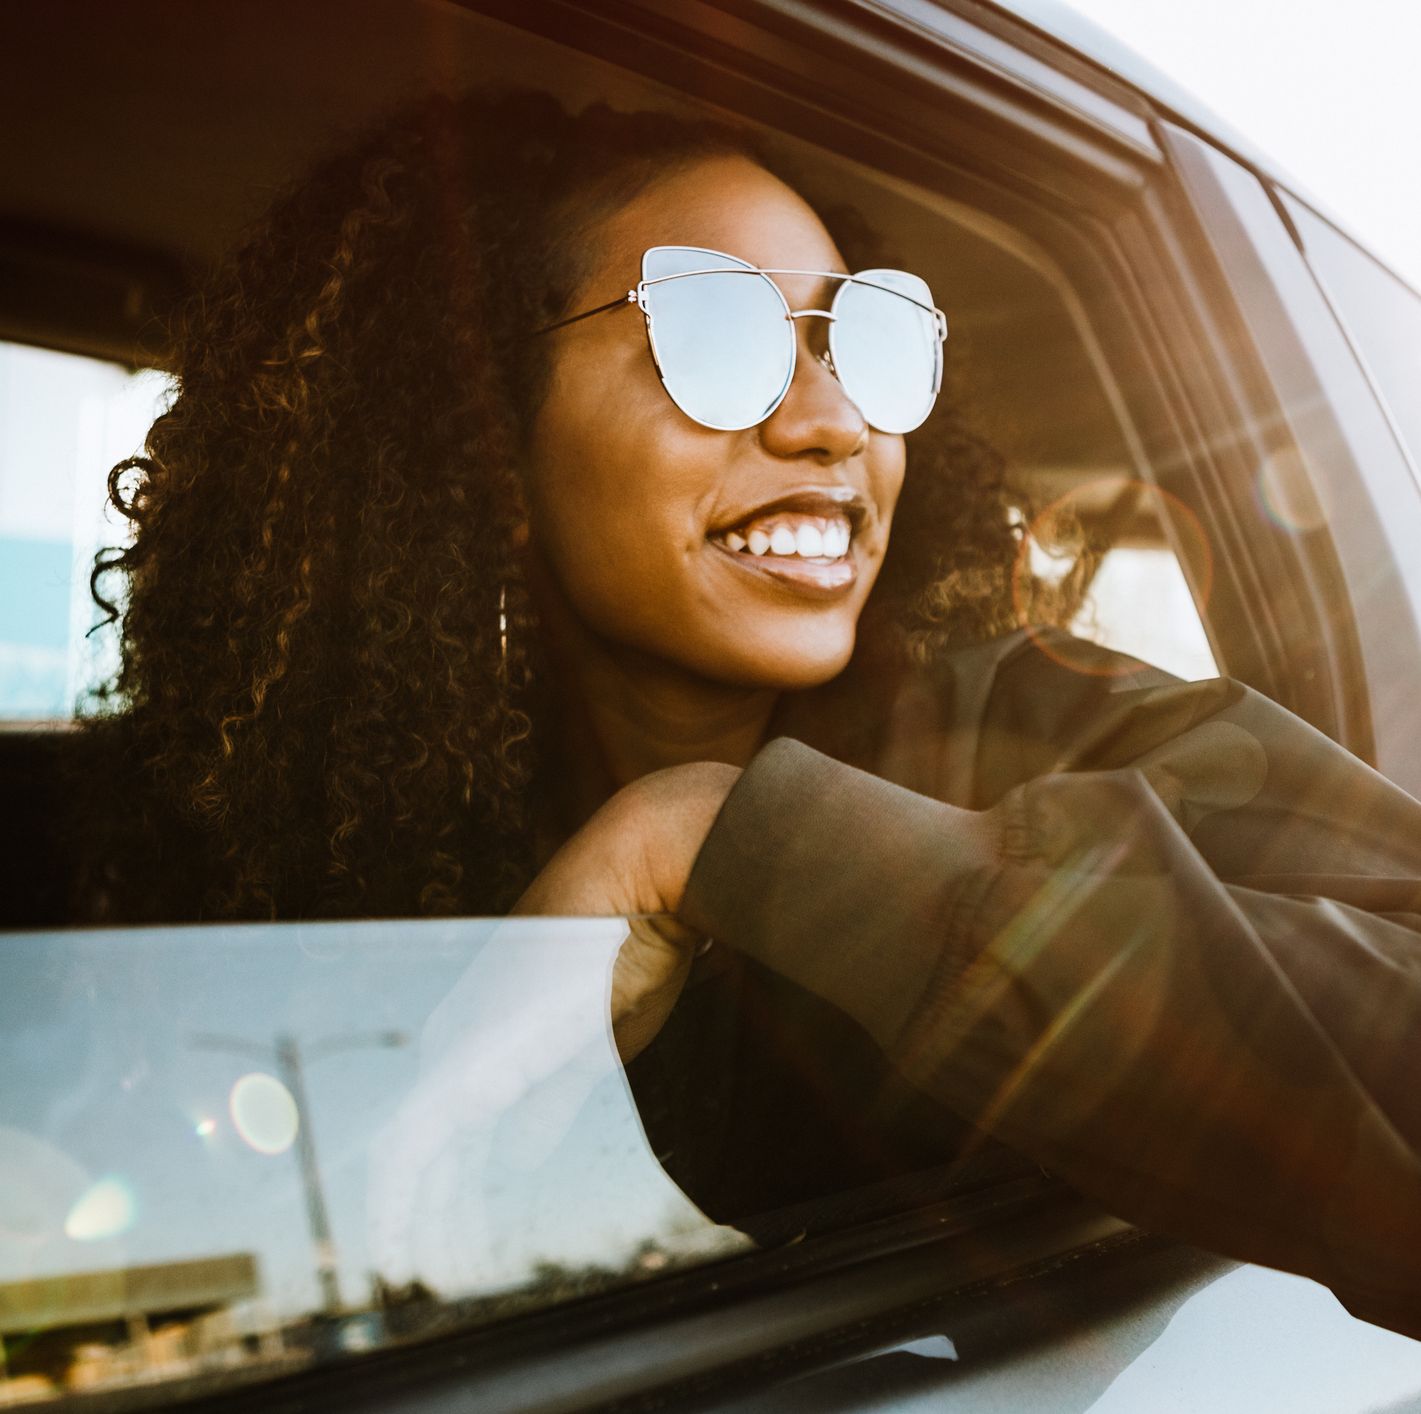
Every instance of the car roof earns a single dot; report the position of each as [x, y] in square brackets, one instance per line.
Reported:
[1068, 27]
[107, 47]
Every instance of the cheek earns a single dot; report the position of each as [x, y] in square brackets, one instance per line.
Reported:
[581, 453]
[887, 464]
[612, 493]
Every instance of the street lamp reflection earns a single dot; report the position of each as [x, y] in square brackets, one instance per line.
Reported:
[272, 1113]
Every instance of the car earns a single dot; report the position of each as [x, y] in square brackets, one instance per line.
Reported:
[244, 1166]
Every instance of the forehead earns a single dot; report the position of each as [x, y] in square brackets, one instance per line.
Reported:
[726, 203]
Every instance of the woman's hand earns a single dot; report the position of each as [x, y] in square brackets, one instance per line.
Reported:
[633, 858]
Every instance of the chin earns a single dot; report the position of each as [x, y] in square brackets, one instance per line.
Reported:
[786, 662]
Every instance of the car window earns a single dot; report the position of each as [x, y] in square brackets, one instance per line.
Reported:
[1140, 603]
[1379, 311]
[1137, 598]
[64, 420]
[232, 1151]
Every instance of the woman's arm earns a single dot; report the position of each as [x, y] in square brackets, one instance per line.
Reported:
[633, 857]
[1190, 985]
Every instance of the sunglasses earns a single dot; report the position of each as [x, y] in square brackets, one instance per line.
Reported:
[723, 339]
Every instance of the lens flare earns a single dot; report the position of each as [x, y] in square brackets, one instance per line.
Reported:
[1290, 496]
[205, 1128]
[35, 1181]
[264, 1113]
[104, 1210]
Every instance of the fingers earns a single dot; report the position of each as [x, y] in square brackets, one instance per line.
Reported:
[647, 978]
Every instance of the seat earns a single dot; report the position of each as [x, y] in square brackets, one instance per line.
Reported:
[34, 860]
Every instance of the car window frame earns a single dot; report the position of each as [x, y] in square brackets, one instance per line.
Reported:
[1320, 394]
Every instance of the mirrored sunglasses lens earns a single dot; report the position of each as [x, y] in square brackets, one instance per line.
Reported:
[723, 343]
[886, 348]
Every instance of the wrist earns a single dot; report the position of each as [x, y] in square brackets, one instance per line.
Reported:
[676, 809]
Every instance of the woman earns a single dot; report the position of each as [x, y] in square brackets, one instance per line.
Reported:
[459, 579]
[359, 393]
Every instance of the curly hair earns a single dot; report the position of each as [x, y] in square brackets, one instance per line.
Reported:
[326, 704]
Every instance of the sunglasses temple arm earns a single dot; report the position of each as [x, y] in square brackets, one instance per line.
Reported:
[629, 298]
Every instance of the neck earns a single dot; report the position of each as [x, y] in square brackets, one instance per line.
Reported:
[645, 718]
[623, 714]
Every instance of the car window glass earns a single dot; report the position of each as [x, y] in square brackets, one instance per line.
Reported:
[1381, 314]
[238, 1149]
[64, 421]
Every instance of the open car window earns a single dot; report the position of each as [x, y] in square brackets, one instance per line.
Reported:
[229, 1153]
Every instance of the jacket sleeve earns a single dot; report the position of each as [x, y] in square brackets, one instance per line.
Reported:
[1189, 984]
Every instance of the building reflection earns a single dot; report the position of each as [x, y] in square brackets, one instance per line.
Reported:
[89, 1330]
[197, 1326]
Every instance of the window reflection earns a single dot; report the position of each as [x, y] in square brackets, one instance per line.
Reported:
[159, 1216]
[1381, 314]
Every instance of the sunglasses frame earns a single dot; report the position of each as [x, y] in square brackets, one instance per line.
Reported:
[637, 297]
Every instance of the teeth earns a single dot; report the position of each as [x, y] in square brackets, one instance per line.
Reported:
[783, 541]
[805, 539]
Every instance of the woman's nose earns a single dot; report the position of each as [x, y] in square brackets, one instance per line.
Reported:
[816, 419]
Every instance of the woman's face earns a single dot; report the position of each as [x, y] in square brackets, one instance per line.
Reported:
[636, 510]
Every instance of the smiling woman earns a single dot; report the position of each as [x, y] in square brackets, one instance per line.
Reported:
[661, 493]
[498, 573]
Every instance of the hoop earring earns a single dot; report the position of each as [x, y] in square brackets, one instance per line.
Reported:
[503, 630]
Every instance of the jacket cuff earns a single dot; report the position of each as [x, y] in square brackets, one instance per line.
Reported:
[853, 888]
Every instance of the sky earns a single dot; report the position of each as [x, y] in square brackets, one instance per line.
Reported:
[1328, 90]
